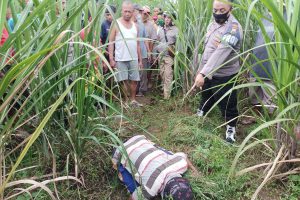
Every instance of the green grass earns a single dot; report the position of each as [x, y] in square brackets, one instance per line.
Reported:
[69, 122]
[294, 188]
[175, 127]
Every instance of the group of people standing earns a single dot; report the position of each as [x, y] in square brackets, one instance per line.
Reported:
[137, 36]
[138, 41]
[155, 170]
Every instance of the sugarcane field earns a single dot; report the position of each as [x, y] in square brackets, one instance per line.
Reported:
[150, 99]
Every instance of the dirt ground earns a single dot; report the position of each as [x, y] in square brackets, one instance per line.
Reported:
[173, 125]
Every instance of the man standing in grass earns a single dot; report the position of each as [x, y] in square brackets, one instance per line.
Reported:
[167, 37]
[151, 35]
[150, 26]
[145, 50]
[105, 29]
[105, 26]
[124, 52]
[220, 65]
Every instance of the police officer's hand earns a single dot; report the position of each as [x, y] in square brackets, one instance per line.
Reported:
[199, 80]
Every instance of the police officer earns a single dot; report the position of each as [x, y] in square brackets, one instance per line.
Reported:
[167, 38]
[220, 65]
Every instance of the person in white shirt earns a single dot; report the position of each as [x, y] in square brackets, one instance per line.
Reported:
[125, 53]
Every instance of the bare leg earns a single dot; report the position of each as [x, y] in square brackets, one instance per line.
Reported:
[133, 86]
[124, 87]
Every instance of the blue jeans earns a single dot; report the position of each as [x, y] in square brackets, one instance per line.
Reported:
[128, 180]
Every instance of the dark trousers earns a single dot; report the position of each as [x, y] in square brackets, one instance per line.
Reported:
[213, 90]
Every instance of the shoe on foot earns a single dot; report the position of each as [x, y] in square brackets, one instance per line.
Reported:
[166, 98]
[248, 120]
[139, 94]
[230, 132]
[149, 86]
[135, 104]
[200, 113]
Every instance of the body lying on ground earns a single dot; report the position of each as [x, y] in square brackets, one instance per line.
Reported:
[148, 170]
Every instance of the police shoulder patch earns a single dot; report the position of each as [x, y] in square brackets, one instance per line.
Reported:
[232, 35]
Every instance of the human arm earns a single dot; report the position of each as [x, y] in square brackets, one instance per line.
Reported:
[140, 59]
[111, 46]
[150, 44]
[189, 163]
[149, 56]
[153, 37]
[194, 170]
[139, 51]
[199, 81]
[146, 41]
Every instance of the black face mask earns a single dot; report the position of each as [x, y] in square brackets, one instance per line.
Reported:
[221, 18]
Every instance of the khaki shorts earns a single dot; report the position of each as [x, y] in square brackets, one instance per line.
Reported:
[127, 70]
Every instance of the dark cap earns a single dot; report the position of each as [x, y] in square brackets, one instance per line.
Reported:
[113, 9]
[179, 189]
[137, 7]
[172, 15]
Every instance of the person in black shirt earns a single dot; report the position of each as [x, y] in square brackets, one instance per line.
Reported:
[105, 26]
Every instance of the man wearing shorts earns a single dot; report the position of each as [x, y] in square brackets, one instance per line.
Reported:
[125, 53]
